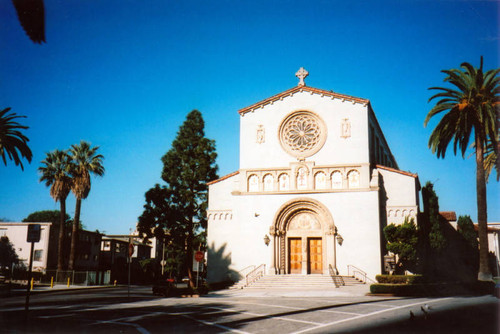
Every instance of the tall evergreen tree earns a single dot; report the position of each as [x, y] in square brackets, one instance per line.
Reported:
[433, 240]
[177, 209]
[470, 108]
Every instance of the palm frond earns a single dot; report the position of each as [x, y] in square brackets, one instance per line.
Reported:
[13, 143]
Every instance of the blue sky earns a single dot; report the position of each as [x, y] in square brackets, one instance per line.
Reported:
[124, 74]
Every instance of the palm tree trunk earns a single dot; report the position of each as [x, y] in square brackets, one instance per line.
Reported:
[484, 269]
[60, 245]
[74, 235]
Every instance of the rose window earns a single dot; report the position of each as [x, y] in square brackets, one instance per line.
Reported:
[302, 134]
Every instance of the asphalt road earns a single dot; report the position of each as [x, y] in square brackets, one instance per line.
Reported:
[111, 311]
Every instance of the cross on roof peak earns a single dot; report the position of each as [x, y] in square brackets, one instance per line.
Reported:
[301, 74]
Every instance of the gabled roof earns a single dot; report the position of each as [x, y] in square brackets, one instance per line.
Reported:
[450, 216]
[397, 171]
[296, 89]
[223, 178]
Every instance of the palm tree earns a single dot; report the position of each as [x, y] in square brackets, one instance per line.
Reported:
[491, 159]
[85, 161]
[470, 108]
[55, 171]
[12, 141]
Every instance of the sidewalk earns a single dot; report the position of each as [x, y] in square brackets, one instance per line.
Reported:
[344, 291]
[21, 289]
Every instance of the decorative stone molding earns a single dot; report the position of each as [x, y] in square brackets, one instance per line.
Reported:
[302, 134]
[304, 176]
[397, 214]
[261, 134]
[345, 128]
[301, 74]
[215, 215]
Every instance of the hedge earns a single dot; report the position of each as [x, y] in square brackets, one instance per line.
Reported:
[399, 279]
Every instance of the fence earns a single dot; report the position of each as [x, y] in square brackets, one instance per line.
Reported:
[75, 277]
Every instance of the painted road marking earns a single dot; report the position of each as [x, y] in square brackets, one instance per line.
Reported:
[209, 323]
[370, 314]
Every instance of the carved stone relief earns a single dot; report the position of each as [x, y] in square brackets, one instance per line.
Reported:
[304, 221]
[261, 134]
[345, 129]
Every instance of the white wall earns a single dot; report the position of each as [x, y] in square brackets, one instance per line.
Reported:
[336, 150]
[402, 195]
[354, 213]
[17, 233]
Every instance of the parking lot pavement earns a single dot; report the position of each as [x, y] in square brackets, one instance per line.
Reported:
[277, 313]
[289, 315]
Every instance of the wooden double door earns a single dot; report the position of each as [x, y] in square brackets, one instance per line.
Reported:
[314, 255]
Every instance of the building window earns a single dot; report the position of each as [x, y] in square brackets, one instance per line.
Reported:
[268, 182]
[353, 178]
[253, 183]
[38, 255]
[106, 246]
[337, 180]
[320, 180]
[283, 182]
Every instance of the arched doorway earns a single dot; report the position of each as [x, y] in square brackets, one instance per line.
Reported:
[302, 238]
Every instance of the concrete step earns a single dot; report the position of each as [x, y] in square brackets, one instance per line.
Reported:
[297, 281]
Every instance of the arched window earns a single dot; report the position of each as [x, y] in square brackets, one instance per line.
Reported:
[253, 183]
[301, 178]
[353, 178]
[283, 182]
[320, 180]
[337, 180]
[268, 182]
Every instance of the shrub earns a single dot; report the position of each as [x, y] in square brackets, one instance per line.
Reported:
[399, 279]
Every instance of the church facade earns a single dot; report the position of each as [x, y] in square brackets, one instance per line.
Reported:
[316, 185]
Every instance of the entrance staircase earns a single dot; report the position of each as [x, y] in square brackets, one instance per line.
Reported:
[296, 282]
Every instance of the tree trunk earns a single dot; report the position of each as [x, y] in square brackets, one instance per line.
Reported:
[60, 245]
[484, 269]
[189, 254]
[74, 235]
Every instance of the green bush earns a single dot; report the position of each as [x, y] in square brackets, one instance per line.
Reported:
[399, 279]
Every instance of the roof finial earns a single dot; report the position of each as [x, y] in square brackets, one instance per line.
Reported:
[301, 74]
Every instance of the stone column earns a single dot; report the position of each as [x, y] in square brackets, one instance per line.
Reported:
[272, 267]
[330, 250]
[282, 253]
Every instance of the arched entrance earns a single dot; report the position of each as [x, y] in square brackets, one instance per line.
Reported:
[302, 238]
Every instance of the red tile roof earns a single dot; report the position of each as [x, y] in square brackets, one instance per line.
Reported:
[296, 89]
[450, 216]
[397, 171]
[223, 178]
[491, 229]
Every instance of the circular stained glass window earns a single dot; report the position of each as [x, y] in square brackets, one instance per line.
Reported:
[302, 134]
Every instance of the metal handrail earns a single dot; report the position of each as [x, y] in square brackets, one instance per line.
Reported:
[255, 274]
[243, 272]
[355, 271]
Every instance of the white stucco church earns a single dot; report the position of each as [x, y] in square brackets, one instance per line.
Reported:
[317, 182]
